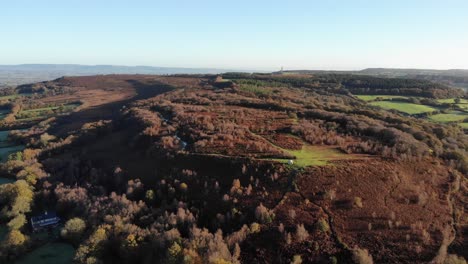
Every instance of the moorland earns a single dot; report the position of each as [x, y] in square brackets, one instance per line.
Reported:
[287, 167]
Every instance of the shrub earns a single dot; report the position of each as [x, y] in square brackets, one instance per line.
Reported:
[254, 227]
[454, 259]
[362, 256]
[358, 202]
[297, 259]
[287, 238]
[263, 215]
[322, 225]
[292, 214]
[301, 233]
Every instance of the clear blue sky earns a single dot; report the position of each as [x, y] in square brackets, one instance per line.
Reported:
[238, 33]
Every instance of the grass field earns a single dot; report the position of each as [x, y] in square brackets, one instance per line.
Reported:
[67, 107]
[38, 113]
[315, 156]
[6, 97]
[452, 101]
[368, 98]
[404, 107]
[57, 253]
[451, 117]
[13, 96]
[464, 125]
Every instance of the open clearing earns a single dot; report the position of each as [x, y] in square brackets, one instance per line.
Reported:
[51, 108]
[368, 98]
[316, 155]
[450, 117]
[43, 112]
[452, 101]
[404, 107]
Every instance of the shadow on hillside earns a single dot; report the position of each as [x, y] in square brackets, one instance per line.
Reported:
[74, 121]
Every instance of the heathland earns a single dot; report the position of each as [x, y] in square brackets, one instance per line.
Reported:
[235, 168]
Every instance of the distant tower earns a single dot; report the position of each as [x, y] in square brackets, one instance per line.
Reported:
[281, 69]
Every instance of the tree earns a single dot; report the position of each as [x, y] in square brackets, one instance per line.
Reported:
[17, 222]
[73, 229]
[16, 156]
[174, 253]
[150, 196]
[263, 215]
[45, 138]
[15, 238]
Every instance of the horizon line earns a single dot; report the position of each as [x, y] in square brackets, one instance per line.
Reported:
[232, 68]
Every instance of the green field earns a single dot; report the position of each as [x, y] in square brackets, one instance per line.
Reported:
[452, 101]
[368, 98]
[51, 108]
[451, 117]
[38, 113]
[464, 125]
[404, 107]
[314, 156]
[57, 253]
[13, 96]
[6, 97]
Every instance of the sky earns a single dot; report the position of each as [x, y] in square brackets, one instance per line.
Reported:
[237, 34]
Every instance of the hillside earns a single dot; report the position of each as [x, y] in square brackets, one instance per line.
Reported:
[12, 75]
[457, 78]
[237, 168]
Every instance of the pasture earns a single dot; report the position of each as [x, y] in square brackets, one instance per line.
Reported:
[43, 112]
[408, 108]
[310, 155]
[464, 125]
[452, 101]
[453, 116]
[369, 98]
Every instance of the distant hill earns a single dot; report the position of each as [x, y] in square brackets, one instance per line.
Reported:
[412, 72]
[456, 77]
[11, 75]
